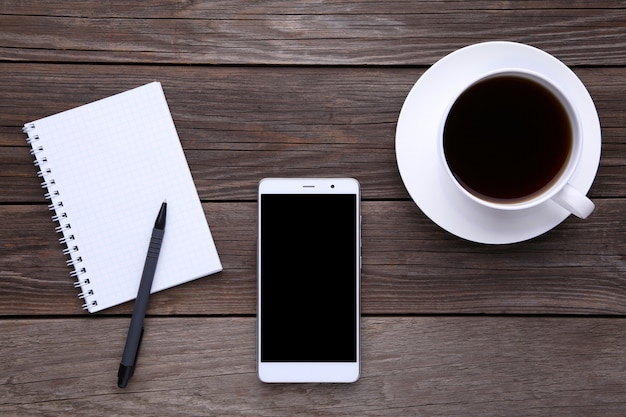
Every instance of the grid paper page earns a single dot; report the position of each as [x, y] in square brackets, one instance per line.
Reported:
[113, 162]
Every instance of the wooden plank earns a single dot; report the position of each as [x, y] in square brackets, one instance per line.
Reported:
[304, 33]
[233, 101]
[238, 125]
[493, 366]
[410, 266]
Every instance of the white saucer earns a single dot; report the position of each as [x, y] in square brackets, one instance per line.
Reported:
[419, 163]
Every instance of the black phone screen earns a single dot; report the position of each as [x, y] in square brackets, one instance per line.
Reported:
[308, 283]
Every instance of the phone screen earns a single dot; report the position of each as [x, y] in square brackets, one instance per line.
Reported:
[308, 287]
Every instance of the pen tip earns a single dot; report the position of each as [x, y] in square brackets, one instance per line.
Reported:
[123, 375]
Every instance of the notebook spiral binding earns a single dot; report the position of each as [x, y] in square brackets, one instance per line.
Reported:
[68, 239]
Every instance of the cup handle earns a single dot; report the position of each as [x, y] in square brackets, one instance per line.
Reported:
[574, 201]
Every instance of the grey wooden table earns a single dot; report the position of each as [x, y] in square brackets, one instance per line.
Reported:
[299, 88]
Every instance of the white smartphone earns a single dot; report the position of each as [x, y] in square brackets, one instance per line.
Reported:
[308, 269]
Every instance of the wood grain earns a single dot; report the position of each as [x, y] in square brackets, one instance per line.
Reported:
[410, 266]
[435, 366]
[299, 88]
[238, 125]
[305, 33]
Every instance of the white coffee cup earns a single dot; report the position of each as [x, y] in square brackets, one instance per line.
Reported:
[462, 164]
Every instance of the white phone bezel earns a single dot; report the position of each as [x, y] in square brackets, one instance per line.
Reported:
[310, 372]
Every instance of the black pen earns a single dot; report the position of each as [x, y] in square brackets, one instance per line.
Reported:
[135, 331]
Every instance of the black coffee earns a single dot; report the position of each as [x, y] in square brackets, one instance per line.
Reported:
[507, 138]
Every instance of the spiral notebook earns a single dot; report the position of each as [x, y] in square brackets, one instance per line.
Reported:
[107, 167]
